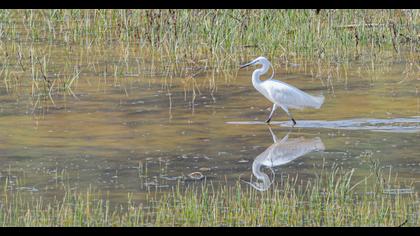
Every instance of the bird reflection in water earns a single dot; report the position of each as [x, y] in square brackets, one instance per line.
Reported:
[280, 153]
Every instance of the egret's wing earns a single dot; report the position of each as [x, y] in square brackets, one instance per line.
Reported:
[289, 96]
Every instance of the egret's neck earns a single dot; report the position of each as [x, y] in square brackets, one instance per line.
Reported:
[256, 170]
[258, 73]
[261, 176]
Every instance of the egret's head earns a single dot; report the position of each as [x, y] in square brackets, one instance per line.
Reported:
[258, 61]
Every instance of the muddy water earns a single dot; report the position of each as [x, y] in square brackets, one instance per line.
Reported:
[140, 136]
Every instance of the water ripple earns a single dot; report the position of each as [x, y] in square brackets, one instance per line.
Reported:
[396, 125]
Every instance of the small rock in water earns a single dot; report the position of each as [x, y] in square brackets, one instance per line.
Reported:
[196, 175]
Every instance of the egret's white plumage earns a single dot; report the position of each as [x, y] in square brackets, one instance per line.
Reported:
[279, 93]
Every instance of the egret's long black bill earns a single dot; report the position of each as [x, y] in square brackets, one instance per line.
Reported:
[245, 65]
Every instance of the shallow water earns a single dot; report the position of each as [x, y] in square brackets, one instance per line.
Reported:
[139, 136]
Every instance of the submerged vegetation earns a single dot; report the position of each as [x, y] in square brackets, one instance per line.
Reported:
[331, 198]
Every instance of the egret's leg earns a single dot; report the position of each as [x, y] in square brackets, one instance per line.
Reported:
[286, 137]
[289, 114]
[291, 117]
[272, 134]
[271, 114]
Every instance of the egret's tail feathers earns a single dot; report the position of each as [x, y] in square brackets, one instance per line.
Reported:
[306, 100]
[318, 101]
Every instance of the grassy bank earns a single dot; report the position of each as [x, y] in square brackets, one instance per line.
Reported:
[188, 34]
[48, 51]
[331, 198]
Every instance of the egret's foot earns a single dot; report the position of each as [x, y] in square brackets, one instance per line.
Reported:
[294, 122]
[268, 121]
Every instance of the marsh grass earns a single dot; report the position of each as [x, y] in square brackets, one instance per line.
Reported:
[331, 198]
[52, 49]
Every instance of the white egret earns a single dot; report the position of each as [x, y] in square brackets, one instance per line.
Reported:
[279, 93]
